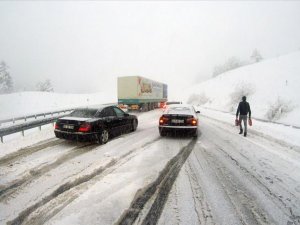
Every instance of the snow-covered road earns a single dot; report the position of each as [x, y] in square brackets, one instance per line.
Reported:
[229, 179]
[141, 178]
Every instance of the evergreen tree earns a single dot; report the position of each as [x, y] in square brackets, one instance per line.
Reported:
[6, 83]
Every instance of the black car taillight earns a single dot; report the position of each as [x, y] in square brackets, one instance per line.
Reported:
[163, 120]
[56, 127]
[86, 127]
[192, 121]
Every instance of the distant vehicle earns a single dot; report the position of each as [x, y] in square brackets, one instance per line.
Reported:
[173, 103]
[179, 118]
[95, 124]
[140, 93]
[123, 107]
[166, 104]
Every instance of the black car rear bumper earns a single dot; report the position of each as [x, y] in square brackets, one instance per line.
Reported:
[78, 136]
[177, 127]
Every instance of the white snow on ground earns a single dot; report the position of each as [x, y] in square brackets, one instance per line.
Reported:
[231, 179]
[29, 103]
[280, 132]
[265, 84]
[130, 162]
[16, 141]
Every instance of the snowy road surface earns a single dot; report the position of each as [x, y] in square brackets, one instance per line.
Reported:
[141, 178]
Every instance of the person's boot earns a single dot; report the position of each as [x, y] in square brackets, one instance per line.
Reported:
[245, 134]
[241, 131]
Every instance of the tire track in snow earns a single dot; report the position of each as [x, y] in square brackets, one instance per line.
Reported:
[23, 152]
[160, 189]
[257, 134]
[231, 170]
[202, 209]
[9, 189]
[287, 209]
[239, 202]
[285, 203]
[23, 216]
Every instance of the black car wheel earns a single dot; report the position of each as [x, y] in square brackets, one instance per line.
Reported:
[195, 133]
[162, 132]
[134, 125]
[103, 137]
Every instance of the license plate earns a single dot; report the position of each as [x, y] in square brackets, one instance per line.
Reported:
[177, 121]
[68, 126]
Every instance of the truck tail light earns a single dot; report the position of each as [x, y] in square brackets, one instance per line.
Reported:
[56, 127]
[163, 120]
[86, 127]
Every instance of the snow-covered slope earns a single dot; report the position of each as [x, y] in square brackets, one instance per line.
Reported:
[272, 87]
[26, 103]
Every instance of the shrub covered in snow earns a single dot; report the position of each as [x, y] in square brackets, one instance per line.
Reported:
[241, 89]
[278, 109]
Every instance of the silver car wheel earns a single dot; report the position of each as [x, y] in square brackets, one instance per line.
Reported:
[104, 136]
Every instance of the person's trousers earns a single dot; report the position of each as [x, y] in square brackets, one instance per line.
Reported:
[243, 118]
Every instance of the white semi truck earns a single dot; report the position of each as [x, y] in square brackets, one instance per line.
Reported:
[140, 93]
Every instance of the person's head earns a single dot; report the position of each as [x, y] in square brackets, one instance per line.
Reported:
[244, 98]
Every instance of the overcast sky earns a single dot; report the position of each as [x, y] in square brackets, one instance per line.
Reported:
[83, 46]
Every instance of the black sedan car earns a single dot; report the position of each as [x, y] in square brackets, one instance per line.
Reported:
[95, 124]
[179, 117]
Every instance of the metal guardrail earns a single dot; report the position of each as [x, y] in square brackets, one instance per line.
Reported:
[13, 120]
[26, 126]
[33, 124]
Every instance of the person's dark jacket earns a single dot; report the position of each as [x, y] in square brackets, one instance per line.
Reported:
[243, 109]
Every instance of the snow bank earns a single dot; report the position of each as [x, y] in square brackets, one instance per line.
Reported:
[27, 103]
[272, 87]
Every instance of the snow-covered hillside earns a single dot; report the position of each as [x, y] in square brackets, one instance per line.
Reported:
[26, 103]
[272, 87]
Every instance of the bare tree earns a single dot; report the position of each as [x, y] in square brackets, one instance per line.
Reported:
[256, 56]
[230, 64]
[44, 86]
[6, 83]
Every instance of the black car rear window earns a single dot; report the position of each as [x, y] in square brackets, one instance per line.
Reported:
[85, 113]
[181, 110]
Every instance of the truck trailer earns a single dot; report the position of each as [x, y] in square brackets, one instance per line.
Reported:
[140, 93]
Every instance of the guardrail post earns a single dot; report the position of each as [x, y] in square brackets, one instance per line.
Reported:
[13, 120]
[40, 127]
[34, 116]
[23, 133]
[25, 118]
[2, 139]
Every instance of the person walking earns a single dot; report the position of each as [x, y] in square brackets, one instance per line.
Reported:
[242, 111]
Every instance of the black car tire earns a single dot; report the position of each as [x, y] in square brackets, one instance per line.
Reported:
[103, 136]
[195, 133]
[134, 125]
[162, 132]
